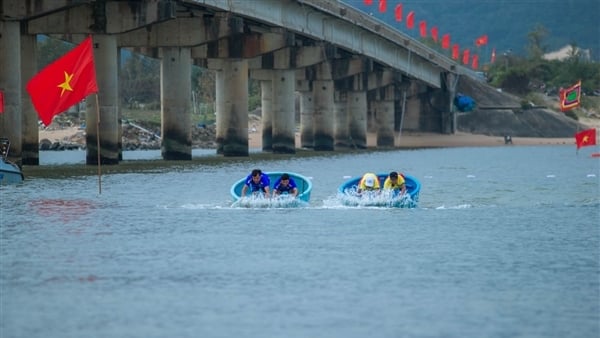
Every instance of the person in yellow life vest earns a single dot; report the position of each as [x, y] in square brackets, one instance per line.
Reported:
[396, 182]
[369, 182]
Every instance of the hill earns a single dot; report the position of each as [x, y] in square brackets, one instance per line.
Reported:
[498, 113]
[505, 22]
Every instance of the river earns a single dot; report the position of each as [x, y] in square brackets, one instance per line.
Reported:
[505, 242]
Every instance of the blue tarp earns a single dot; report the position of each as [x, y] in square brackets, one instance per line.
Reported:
[464, 103]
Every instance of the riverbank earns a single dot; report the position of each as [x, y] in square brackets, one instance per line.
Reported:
[403, 141]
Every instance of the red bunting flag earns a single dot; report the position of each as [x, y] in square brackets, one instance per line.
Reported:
[475, 61]
[585, 138]
[493, 58]
[398, 12]
[1, 102]
[482, 40]
[368, 2]
[446, 41]
[434, 33]
[410, 20]
[382, 6]
[64, 82]
[466, 57]
[570, 97]
[423, 28]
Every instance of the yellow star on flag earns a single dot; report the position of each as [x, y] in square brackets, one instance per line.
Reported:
[585, 140]
[66, 85]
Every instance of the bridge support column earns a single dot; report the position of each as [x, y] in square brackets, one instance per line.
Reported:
[30, 128]
[232, 108]
[175, 88]
[10, 84]
[284, 117]
[323, 114]
[385, 114]
[266, 92]
[451, 84]
[412, 109]
[342, 127]
[357, 111]
[306, 117]
[105, 58]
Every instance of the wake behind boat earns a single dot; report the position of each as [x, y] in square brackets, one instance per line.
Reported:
[9, 171]
[348, 194]
[303, 184]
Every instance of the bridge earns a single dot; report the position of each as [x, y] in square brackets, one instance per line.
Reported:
[352, 72]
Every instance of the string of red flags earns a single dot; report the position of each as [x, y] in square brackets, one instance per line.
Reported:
[468, 58]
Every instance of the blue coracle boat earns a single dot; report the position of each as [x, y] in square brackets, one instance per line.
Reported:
[349, 196]
[9, 171]
[304, 186]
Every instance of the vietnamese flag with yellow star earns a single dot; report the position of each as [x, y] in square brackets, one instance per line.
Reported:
[585, 138]
[64, 82]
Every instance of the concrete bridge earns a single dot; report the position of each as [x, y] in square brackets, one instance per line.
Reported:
[352, 72]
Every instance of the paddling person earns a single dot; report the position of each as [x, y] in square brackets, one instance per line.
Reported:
[257, 182]
[369, 182]
[285, 185]
[396, 183]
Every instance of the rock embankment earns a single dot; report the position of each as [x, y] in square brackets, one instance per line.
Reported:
[135, 137]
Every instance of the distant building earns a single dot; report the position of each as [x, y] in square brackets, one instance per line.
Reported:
[566, 52]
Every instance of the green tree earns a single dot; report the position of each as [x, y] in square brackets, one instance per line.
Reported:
[535, 39]
[139, 79]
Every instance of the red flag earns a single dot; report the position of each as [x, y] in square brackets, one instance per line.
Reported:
[64, 82]
[446, 41]
[570, 97]
[493, 59]
[482, 40]
[382, 6]
[410, 20]
[368, 2]
[475, 61]
[1, 102]
[423, 28]
[434, 33]
[465, 58]
[398, 12]
[585, 138]
[455, 51]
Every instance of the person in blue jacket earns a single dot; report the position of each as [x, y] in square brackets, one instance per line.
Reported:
[257, 182]
[285, 185]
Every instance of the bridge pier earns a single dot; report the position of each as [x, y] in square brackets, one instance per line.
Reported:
[175, 88]
[384, 113]
[323, 115]
[306, 118]
[105, 58]
[266, 98]
[357, 110]
[30, 128]
[341, 125]
[284, 119]
[232, 107]
[323, 91]
[11, 85]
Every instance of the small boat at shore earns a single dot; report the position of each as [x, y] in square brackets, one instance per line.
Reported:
[9, 171]
[303, 184]
[347, 192]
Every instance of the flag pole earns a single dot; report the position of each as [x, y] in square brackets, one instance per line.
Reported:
[98, 145]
